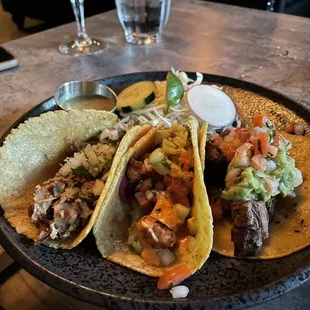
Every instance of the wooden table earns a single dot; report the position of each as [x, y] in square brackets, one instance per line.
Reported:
[266, 48]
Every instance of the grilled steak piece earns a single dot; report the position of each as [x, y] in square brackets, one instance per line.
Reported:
[247, 241]
[216, 166]
[270, 204]
[250, 221]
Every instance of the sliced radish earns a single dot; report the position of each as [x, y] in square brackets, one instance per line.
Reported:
[211, 105]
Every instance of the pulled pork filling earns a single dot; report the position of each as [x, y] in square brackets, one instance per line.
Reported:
[63, 204]
[58, 208]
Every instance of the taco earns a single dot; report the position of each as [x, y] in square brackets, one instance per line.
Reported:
[57, 207]
[257, 192]
[157, 219]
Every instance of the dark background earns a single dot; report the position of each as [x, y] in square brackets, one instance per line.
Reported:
[57, 12]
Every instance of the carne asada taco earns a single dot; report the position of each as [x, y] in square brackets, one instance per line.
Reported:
[157, 219]
[258, 197]
[61, 210]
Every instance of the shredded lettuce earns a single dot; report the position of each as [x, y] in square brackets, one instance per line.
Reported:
[154, 113]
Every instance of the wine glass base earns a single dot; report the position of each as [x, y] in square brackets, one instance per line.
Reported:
[82, 47]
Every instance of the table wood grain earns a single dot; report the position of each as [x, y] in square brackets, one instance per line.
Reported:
[265, 48]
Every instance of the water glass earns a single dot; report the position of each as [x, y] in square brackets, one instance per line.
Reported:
[143, 20]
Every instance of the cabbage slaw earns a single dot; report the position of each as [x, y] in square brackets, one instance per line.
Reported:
[154, 112]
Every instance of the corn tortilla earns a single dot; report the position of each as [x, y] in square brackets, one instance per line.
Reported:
[32, 153]
[111, 226]
[289, 230]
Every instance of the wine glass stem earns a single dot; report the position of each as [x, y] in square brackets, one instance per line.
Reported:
[78, 10]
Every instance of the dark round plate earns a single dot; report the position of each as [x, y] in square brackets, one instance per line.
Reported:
[222, 283]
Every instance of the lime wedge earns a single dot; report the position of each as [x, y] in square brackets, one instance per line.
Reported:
[174, 90]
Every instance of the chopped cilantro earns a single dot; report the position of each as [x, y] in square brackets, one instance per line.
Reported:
[85, 197]
[166, 164]
[82, 172]
[269, 124]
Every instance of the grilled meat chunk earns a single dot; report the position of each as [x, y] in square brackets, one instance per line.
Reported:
[247, 241]
[270, 204]
[58, 209]
[156, 233]
[47, 194]
[250, 221]
[136, 170]
[216, 166]
[67, 217]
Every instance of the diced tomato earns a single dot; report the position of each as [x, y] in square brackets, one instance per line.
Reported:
[262, 146]
[259, 120]
[173, 277]
[230, 153]
[244, 135]
[150, 256]
[185, 162]
[179, 191]
[290, 128]
[167, 180]
[272, 150]
[216, 139]
[145, 186]
[217, 211]
[143, 202]
[254, 141]
[176, 172]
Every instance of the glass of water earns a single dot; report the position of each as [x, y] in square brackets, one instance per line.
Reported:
[143, 20]
[83, 44]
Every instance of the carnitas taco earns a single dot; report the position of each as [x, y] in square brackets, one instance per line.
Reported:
[157, 219]
[56, 171]
[256, 189]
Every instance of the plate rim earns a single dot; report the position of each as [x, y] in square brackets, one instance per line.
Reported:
[296, 278]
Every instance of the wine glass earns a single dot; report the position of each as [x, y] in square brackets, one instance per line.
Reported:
[83, 45]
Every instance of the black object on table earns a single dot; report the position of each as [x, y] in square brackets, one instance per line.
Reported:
[52, 13]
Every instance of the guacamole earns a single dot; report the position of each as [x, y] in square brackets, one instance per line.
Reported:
[254, 185]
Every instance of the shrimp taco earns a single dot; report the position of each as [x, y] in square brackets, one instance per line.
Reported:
[57, 205]
[258, 197]
[157, 219]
